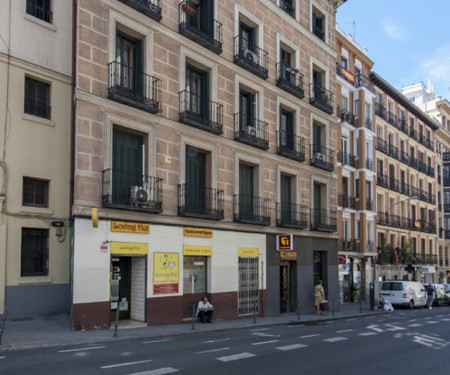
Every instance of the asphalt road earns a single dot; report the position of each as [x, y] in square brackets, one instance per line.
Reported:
[414, 341]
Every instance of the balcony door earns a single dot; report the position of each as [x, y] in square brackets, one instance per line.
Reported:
[287, 129]
[128, 63]
[247, 102]
[246, 189]
[195, 180]
[197, 91]
[317, 204]
[127, 164]
[317, 138]
[285, 197]
[247, 39]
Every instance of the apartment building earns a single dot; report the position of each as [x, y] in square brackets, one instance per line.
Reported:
[35, 109]
[355, 98]
[439, 109]
[204, 160]
[406, 204]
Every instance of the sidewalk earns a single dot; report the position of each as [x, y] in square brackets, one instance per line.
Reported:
[56, 330]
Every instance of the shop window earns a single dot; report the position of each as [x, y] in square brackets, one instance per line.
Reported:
[194, 274]
[248, 300]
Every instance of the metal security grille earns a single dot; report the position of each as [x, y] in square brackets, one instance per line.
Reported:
[248, 286]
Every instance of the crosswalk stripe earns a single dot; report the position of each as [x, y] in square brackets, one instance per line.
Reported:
[212, 350]
[126, 364]
[335, 339]
[265, 342]
[291, 347]
[306, 336]
[236, 357]
[159, 371]
[415, 325]
[367, 333]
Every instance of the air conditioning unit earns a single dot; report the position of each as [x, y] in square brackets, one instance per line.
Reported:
[139, 195]
[251, 56]
[319, 156]
[251, 131]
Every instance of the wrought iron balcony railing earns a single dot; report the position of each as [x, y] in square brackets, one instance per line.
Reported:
[133, 87]
[392, 119]
[290, 215]
[346, 201]
[424, 258]
[322, 157]
[382, 218]
[369, 164]
[200, 201]
[446, 156]
[422, 167]
[402, 125]
[200, 112]
[404, 188]
[382, 145]
[323, 220]
[150, 8]
[380, 111]
[393, 151]
[394, 184]
[251, 131]
[404, 157]
[321, 98]
[122, 189]
[369, 204]
[347, 245]
[413, 162]
[382, 180]
[250, 57]
[196, 25]
[346, 116]
[368, 123]
[430, 171]
[290, 80]
[291, 146]
[346, 159]
[251, 210]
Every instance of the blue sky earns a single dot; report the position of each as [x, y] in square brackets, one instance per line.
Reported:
[408, 40]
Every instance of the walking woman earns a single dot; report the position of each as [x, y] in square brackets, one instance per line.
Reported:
[319, 295]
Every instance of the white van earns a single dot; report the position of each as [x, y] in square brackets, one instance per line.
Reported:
[405, 293]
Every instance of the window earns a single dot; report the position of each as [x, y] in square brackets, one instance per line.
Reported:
[34, 252]
[37, 98]
[247, 38]
[248, 111]
[196, 180]
[194, 274]
[197, 92]
[40, 9]
[286, 198]
[288, 7]
[129, 63]
[318, 24]
[35, 192]
[287, 129]
[248, 292]
[246, 190]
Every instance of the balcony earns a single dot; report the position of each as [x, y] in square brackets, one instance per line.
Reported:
[425, 141]
[122, 189]
[346, 159]
[290, 215]
[287, 7]
[369, 204]
[291, 146]
[422, 167]
[133, 87]
[394, 221]
[446, 208]
[404, 188]
[200, 112]
[413, 134]
[402, 125]
[369, 164]
[251, 210]
[250, 57]
[346, 116]
[446, 156]
[405, 223]
[393, 151]
[424, 258]
[347, 245]
[404, 157]
[383, 180]
[323, 220]
[380, 111]
[290, 80]
[430, 171]
[394, 184]
[382, 145]
[447, 234]
[368, 123]
[322, 158]
[413, 162]
[382, 218]
[345, 74]
[321, 98]
[251, 131]
[346, 201]
[392, 119]
[200, 202]
[150, 8]
[197, 25]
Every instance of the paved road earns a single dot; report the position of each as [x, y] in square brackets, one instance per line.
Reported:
[416, 341]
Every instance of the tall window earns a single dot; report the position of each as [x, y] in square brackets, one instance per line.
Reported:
[37, 98]
[318, 24]
[286, 197]
[40, 9]
[129, 61]
[246, 190]
[195, 180]
[247, 108]
[34, 252]
[35, 192]
[247, 39]
[197, 91]
[287, 129]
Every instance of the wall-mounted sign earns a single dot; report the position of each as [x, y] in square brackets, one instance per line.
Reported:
[104, 247]
[285, 242]
[122, 226]
[288, 255]
[128, 248]
[197, 250]
[248, 252]
[198, 232]
[166, 276]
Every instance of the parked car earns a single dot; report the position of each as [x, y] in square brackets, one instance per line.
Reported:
[403, 293]
[442, 296]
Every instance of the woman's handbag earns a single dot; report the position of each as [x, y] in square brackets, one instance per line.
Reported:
[324, 305]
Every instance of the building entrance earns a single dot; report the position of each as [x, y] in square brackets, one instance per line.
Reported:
[288, 287]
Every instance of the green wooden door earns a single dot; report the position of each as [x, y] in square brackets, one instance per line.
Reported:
[127, 164]
[195, 199]
[246, 198]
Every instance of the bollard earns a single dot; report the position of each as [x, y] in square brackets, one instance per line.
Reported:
[116, 323]
[193, 316]
[254, 312]
[298, 311]
[332, 307]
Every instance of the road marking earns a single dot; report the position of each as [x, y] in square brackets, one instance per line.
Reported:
[445, 319]
[212, 350]
[154, 341]
[264, 342]
[297, 325]
[126, 364]
[2, 357]
[367, 333]
[159, 371]
[211, 341]
[415, 325]
[291, 347]
[432, 322]
[336, 339]
[259, 329]
[81, 349]
[345, 330]
[236, 357]
[306, 336]
[265, 334]
[412, 320]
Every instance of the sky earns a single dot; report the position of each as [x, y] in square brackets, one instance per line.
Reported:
[408, 40]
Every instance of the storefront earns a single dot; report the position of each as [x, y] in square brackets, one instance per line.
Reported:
[154, 274]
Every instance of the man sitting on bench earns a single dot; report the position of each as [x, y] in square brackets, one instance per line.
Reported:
[205, 310]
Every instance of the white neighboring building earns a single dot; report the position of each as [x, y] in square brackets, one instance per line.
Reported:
[439, 109]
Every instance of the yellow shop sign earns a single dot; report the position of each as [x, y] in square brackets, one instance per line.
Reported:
[198, 232]
[129, 248]
[197, 250]
[122, 226]
[248, 251]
